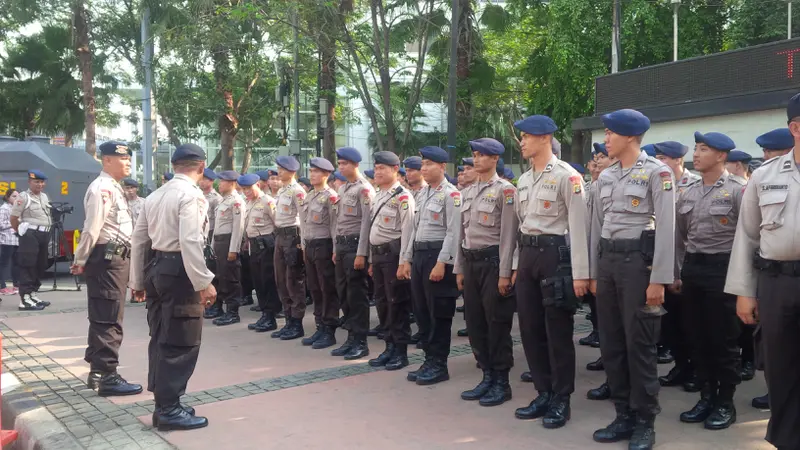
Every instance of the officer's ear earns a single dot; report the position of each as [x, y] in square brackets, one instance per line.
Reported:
[794, 127]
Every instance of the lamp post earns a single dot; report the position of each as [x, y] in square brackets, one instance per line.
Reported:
[676, 4]
[789, 19]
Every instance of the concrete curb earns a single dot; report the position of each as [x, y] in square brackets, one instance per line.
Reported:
[37, 428]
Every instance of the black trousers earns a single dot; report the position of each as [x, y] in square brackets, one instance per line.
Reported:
[32, 259]
[675, 328]
[9, 265]
[779, 313]
[290, 275]
[175, 317]
[393, 294]
[351, 285]
[229, 274]
[590, 300]
[746, 342]
[106, 284]
[630, 333]
[712, 325]
[248, 278]
[434, 303]
[489, 314]
[262, 267]
[321, 281]
[546, 331]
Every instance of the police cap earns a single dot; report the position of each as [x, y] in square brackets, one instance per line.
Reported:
[536, 125]
[322, 164]
[600, 148]
[650, 149]
[228, 175]
[168, 175]
[581, 170]
[435, 154]
[263, 175]
[793, 109]
[413, 162]
[248, 180]
[289, 163]
[130, 182]
[386, 158]
[338, 175]
[349, 154]
[468, 162]
[460, 169]
[304, 181]
[717, 141]
[487, 146]
[36, 174]
[188, 152]
[626, 122]
[778, 139]
[115, 148]
[671, 149]
[210, 174]
[739, 156]
[370, 174]
[508, 173]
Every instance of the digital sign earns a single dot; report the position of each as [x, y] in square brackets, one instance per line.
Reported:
[752, 70]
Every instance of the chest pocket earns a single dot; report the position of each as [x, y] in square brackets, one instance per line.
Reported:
[635, 198]
[686, 208]
[605, 196]
[486, 216]
[224, 212]
[285, 204]
[317, 212]
[546, 204]
[772, 204]
[721, 219]
[434, 212]
[123, 213]
[466, 212]
[349, 205]
[258, 214]
[388, 218]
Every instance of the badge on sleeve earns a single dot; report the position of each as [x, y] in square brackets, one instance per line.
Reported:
[509, 194]
[237, 208]
[334, 199]
[577, 184]
[301, 197]
[365, 196]
[403, 199]
[666, 180]
[456, 198]
[105, 195]
[272, 205]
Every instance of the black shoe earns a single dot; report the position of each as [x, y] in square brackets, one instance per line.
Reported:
[256, 308]
[761, 402]
[174, 417]
[328, 338]
[230, 318]
[399, 358]
[268, 323]
[436, 372]
[692, 385]
[481, 389]
[722, 416]
[259, 322]
[665, 356]
[157, 411]
[460, 308]
[701, 410]
[38, 301]
[224, 316]
[748, 371]
[416, 337]
[371, 302]
[213, 311]
[644, 434]
[282, 331]
[93, 380]
[676, 376]
[500, 392]
[620, 429]
[345, 348]
[358, 350]
[601, 393]
[295, 331]
[559, 412]
[381, 360]
[28, 304]
[412, 376]
[592, 340]
[372, 332]
[112, 384]
[526, 377]
[314, 337]
[537, 408]
[462, 332]
[596, 366]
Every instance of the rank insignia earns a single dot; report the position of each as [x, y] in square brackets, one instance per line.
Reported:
[723, 221]
[667, 186]
[485, 217]
[635, 202]
[456, 198]
[435, 216]
[547, 204]
[386, 220]
[316, 216]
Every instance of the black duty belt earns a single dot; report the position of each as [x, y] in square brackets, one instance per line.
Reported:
[168, 255]
[383, 249]
[318, 242]
[483, 254]
[719, 259]
[220, 237]
[260, 236]
[788, 268]
[350, 239]
[621, 245]
[543, 240]
[287, 231]
[428, 246]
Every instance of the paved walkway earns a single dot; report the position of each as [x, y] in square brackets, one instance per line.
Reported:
[262, 393]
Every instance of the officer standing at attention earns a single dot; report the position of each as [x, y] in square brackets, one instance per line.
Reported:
[708, 211]
[738, 162]
[631, 260]
[483, 266]
[275, 183]
[228, 231]
[550, 277]
[102, 256]
[212, 197]
[174, 224]
[31, 219]
[429, 262]
[135, 203]
[318, 231]
[767, 228]
[289, 272]
[392, 222]
[416, 182]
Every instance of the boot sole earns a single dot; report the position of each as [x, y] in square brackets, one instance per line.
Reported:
[393, 368]
[625, 437]
[223, 324]
[307, 343]
[424, 382]
[505, 399]
[553, 426]
[170, 427]
[264, 330]
[320, 347]
[353, 358]
[118, 394]
[692, 420]
[290, 337]
[717, 428]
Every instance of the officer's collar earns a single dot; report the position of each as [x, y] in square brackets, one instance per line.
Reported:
[180, 176]
[722, 178]
[394, 186]
[639, 161]
[788, 164]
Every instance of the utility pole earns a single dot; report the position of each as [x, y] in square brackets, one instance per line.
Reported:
[676, 5]
[147, 92]
[294, 144]
[616, 49]
[789, 20]
[452, 81]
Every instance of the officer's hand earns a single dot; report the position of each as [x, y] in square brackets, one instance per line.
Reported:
[232, 256]
[138, 296]
[504, 285]
[76, 269]
[460, 282]
[747, 309]
[369, 271]
[655, 294]
[675, 287]
[359, 263]
[581, 287]
[208, 295]
[593, 287]
[333, 258]
[514, 278]
[438, 272]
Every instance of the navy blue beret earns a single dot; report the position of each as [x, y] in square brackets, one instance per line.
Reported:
[386, 158]
[168, 175]
[188, 152]
[304, 181]
[581, 170]
[450, 179]
[600, 148]
[754, 164]
[130, 182]
[370, 174]
[778, 139]
[413, 162]
[35, 174]
[208, 173]
[671, 149]
[322, 164]
[501, 167]
[248, 180]
[460, 169]
[348, 154]
[650, 149]
[487, 146]
[115, 148]
[435, 154]
[739, 156]
[289, 163]
[273, 172]
[537, 125]
[717, 141]
[228, 175]
[263, 175]
[402, 171]
[468, 162]
[338, 175]
[626, 122]
[508, 173]
[793, 109]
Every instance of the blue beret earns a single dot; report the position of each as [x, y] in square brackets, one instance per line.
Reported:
[600, 148]
[626, 122]
[348, 154]
[793, 109]
[263, 175]
[468, 161]
[248, 180]
[338, 175]
[717, 141]
[130, 182]
[115, 148]
[435, 154]
[401, 171]
[460, 168]
[650, 149]
[35, 174]
[414, 162]
[508, 173]
[228, 175]
[272, 173]
[322, 164]
[370, 174]
[168, 175]
[386, 158]
[754, 164]
[671, 149]
[304, 181]
[487, 146]
[450, 179]
[779, 139]
[208, 173]
[501, 167]
[537, 125]
[739, 156]
[289, 163]
[581, 170]
[188, 152]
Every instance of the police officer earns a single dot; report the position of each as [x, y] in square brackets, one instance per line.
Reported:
[174, 223]
[289, 273]
[737, 164]
[467, 178]
[707, 214]
[228, 231]
[102, 256]
[429, 261]
[483, 271]
[549, 276]
[351, 251]
[337, 180]
[392, 221]
[416, 182]
[212, 197]
[319, 229]
[31, 219]
[135, 203]
[631, 260]
[275, 183]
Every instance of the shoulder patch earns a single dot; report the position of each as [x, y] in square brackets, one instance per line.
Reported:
[334, 198]
[105, 195]
[456, 198]
[664, 174]
[508, 193]
[577, 184]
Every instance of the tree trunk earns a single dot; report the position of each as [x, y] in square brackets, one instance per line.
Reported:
[215, 162]
[84, 54]
[380, 33]
[248, 149]
[464, 63]
[68, 140]
[327, 90]
[227, 122]
[173, 137]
